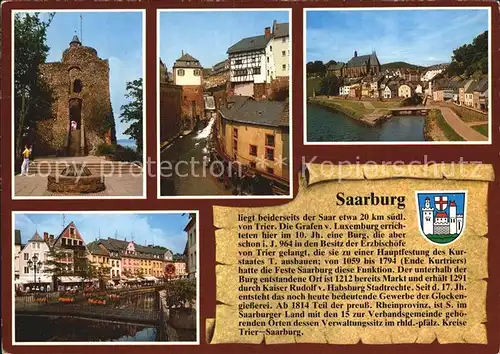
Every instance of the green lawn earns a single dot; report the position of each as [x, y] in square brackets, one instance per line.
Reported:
[482, 129]
[351, 108]
[313, 84]
[385, 104]
[354, 105]
[448, 131]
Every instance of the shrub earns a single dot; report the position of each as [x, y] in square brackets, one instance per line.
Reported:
[181, 292]
[123, 153]
[106, 149]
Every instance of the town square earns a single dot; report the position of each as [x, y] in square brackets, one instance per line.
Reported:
[94, 277]
[379, 82]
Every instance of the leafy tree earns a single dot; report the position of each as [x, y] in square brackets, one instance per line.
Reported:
[32, 95]
[330, 62]
[470, 60]
[100, 272]
[132, 112]
[316, 68]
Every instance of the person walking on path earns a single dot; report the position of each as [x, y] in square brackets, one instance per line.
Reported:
[26, 160]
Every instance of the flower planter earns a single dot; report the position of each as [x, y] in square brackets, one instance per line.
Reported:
[41, 299]
[95, 301]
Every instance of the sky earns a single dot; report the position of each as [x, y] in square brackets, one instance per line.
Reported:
[207, 35]
[420, 37]
[159, 229]
[117, 36]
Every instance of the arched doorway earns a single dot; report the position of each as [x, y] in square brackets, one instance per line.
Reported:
[75, 122]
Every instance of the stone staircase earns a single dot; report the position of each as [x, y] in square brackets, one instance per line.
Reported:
[74, 142]
[96, 166]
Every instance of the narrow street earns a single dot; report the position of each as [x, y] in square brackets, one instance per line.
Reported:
[189, 174]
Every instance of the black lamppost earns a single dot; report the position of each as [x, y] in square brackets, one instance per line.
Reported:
[34, 264]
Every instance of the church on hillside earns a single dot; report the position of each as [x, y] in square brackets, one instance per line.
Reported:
[361, 65]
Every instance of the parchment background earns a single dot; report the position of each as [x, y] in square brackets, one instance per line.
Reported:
[317, 194]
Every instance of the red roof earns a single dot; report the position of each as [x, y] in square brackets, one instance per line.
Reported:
[441, 215]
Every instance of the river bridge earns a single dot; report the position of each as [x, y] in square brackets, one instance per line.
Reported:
[138, 306]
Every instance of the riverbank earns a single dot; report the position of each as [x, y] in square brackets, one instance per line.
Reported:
[356, 110]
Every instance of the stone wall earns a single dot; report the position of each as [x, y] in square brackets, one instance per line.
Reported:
[179, 324]
[171, 97]
[261, 91]
[83, 64]
[215, 80]
[278, 90]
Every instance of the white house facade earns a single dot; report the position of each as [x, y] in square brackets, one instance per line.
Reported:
[386, 92]
[344, 90]
[39, 249]
[405, 91]
[278, 52]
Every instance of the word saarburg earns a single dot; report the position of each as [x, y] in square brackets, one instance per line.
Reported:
[371, 199]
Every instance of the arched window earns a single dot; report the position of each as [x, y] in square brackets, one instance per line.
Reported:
[77, 86]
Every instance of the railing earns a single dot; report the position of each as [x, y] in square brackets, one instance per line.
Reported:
[138, 307]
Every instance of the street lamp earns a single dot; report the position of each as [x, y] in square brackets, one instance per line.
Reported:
[34, 264]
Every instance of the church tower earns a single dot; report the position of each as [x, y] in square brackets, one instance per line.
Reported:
[428, 217]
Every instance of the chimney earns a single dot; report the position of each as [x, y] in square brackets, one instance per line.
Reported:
[45, 236]
[267, 31]
[274, 25]
[182, 52]
[355, 53]
[51, 238]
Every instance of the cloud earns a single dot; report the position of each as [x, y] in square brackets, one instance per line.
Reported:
[411, 36]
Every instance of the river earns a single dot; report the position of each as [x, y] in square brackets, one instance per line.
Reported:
[183, 169]
[324, 125]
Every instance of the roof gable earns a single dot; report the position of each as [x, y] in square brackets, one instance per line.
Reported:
[35, 238]
[281, 30]
[362, 60]
[67, 233]
[249, 44]
[187, 61]
[267, 113]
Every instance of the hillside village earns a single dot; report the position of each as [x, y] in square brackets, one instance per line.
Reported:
[364, 77]
[241, 103]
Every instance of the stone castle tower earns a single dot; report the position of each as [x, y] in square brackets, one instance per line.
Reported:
[82, 116]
